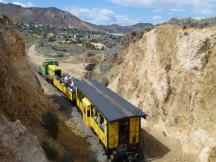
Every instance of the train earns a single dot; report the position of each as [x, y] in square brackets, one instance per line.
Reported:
[116, 122]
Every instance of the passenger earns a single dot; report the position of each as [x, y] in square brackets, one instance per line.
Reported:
[96, 119]
[72, 84]
[62, 80]
[69, 81]
[102, 125]
[65, 79]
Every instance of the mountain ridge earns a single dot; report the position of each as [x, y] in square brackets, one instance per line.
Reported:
[53, 16]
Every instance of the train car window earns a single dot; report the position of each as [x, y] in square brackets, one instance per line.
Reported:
[88, 113]
[102, 122]
[96, 117]
[78, 94]
[82, 96]
[92, 114]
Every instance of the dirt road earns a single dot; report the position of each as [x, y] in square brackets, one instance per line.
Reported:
[72, 65]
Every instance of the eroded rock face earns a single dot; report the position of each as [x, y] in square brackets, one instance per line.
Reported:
[171, 74]
[17, 145]
[21, 98]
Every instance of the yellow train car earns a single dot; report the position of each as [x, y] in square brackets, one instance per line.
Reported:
[116, 122]
[53, 70]
[65, 90]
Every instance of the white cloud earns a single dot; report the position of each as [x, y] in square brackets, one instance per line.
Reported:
[178, 10]
[28, 4]
[2, 1]
[157, 19]
[196, 6]
[157, 10]
[101, 16]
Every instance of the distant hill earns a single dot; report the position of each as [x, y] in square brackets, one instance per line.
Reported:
[190, 22]
[123, 29]
[45, 16]
[55, 17]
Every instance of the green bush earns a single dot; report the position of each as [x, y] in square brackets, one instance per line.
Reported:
[50, 151]
[90, 46]
[51, 39]
[50, 121]
[105, 81]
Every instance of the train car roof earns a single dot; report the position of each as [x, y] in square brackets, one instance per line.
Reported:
[111, 105]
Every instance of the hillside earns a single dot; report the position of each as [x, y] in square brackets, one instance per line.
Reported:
[191, 22]
[57, 18]
[123, 29]
[18, 88]
[24, 108]
[170, 73]
[45, 16]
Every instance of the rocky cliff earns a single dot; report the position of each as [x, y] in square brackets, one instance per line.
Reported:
[171, 74]
[21, 101]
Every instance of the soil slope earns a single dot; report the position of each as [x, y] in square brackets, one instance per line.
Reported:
[23, 103]
[171, 74]
[21, 99]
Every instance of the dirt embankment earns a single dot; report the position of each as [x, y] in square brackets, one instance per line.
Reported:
[21, 99]
[23, 103]
[171, 74]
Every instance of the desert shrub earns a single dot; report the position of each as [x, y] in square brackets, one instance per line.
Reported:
[51, 39]
[49, 150]
[137, 34]
[79, 41]
[50, 121]
[41, 44]
[134, 33]
[66, 157]
[105, 81]
[148, 28]
[90, 46]
[60, 48]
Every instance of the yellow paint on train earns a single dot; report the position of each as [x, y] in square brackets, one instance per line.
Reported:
[52, 69]
[70, 95]
[93, 118]
[134, 130]
[113, 135]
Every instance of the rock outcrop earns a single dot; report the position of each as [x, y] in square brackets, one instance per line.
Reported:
[171, 74]
[17, 145]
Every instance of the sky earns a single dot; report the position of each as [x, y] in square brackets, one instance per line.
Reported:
[127, 12]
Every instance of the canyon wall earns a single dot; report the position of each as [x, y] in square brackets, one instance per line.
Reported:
[171, 74]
